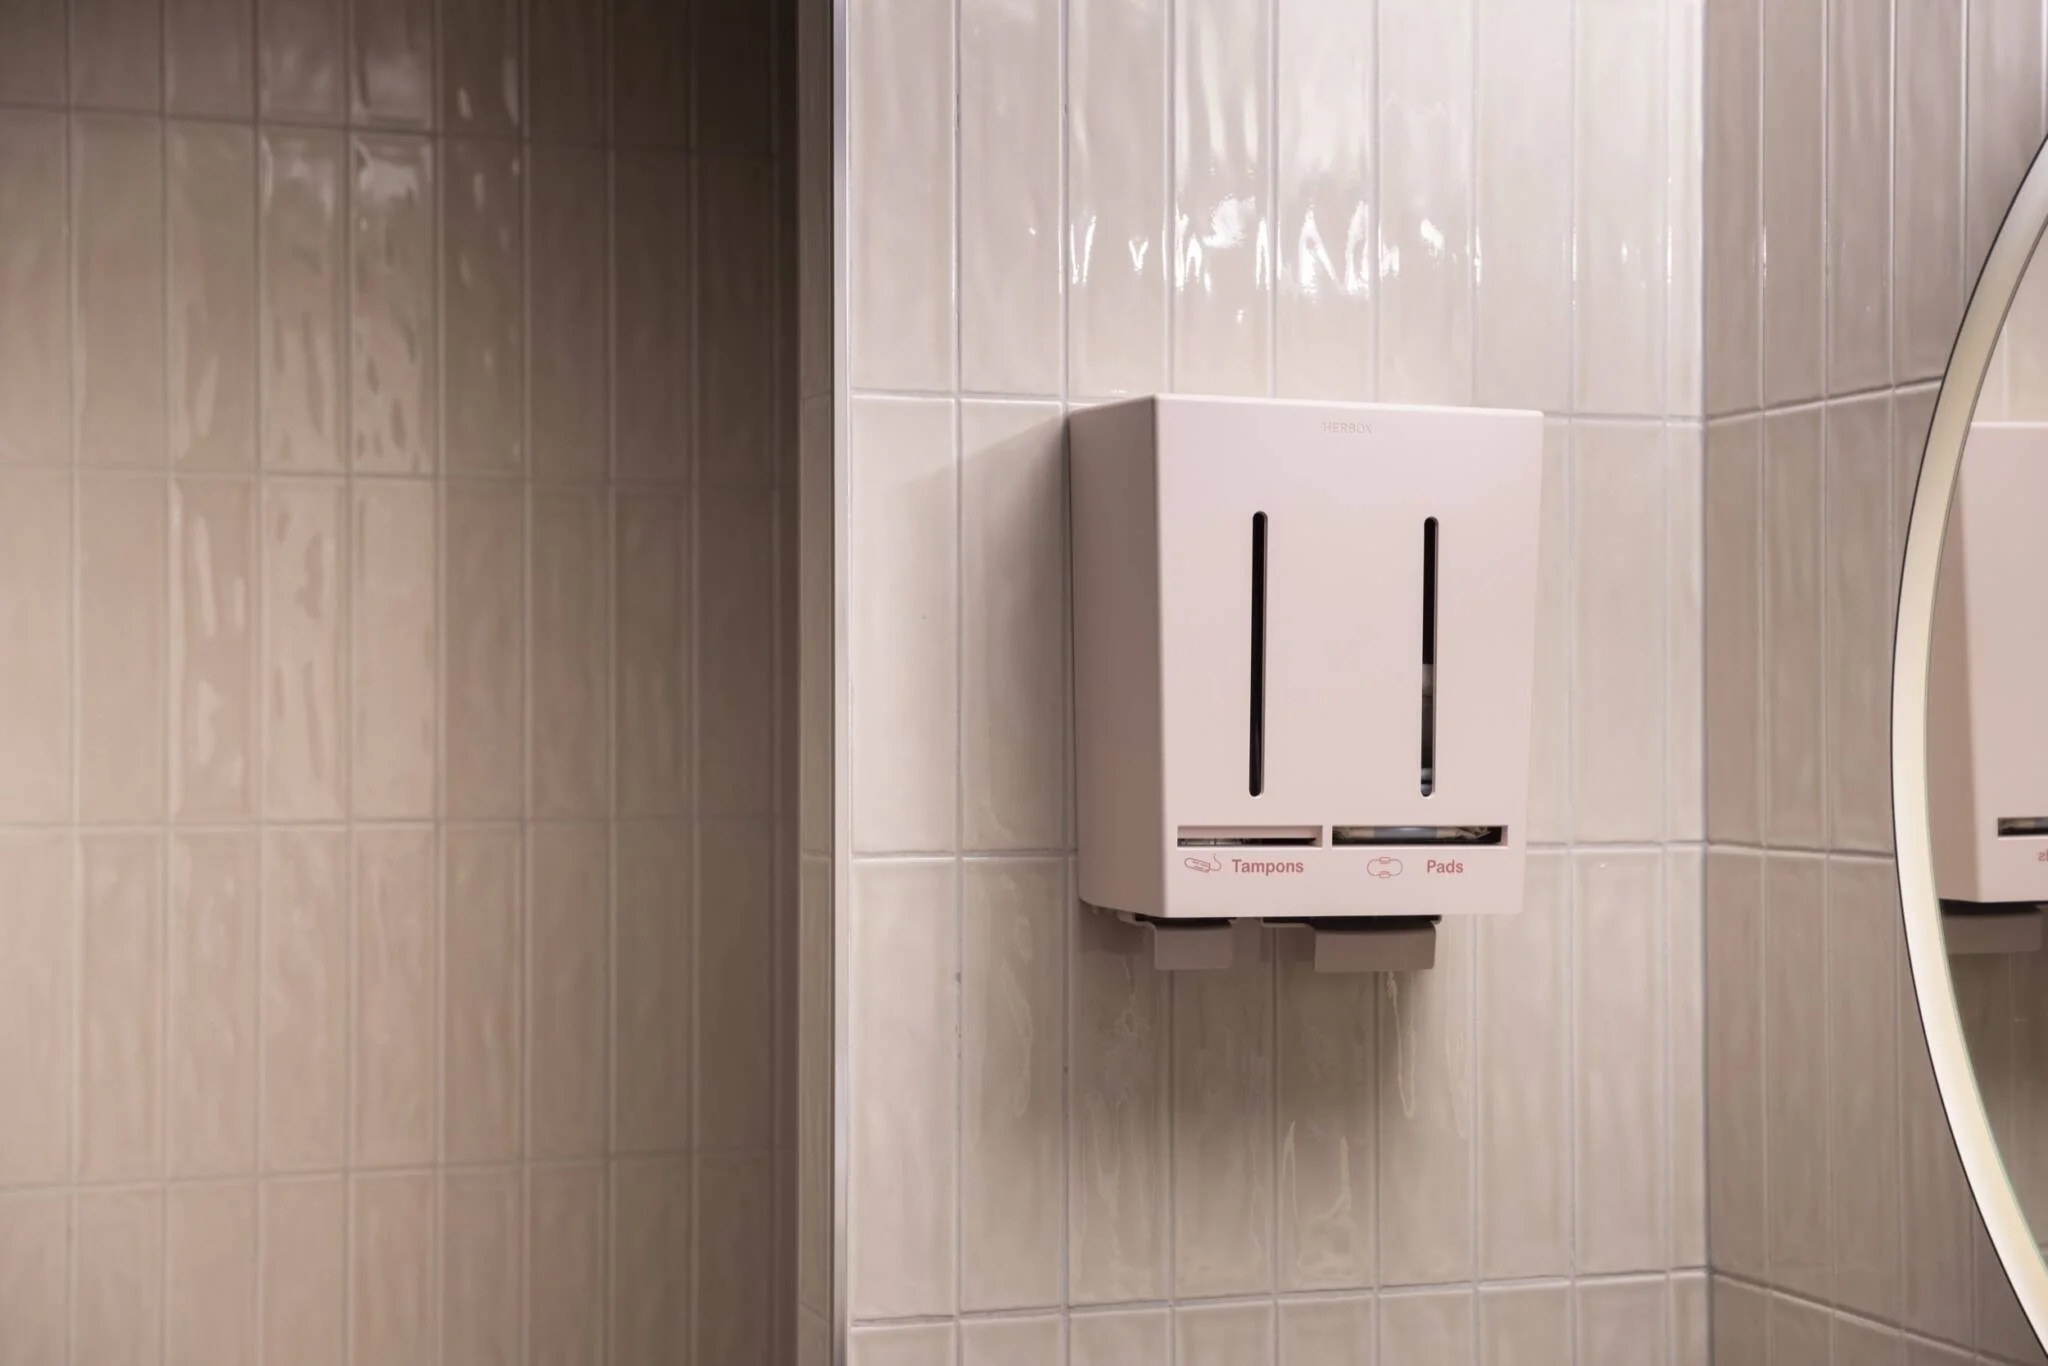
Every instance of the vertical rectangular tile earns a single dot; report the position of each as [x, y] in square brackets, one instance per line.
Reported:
[1128, 1337]
[1860, 1341]
[1425, 1102]
[122, 607]
[1622, 264]
[903, 650]
[484, 688]
[210, 1299]
[212, 1045]
[1525, 1053]
[301, 50]
[1333, 1332]
[1526, 1326]
[482, 67]
[1690, 1327]
[35, 267]
[392, 1270]
[391, 62]
[736, 702]
[735, 1255]
[1117, 1184]
[36, 565]
[210, 58]
[302, 265]
[32, 69]
[396, 930]
[1326, 1048]
[118, 1273]
[736, 308]
[2003, 115]
[1795, 1071]
[735, 963]
[650, 74]
[1685, 741]
[1927, 201]
[900, 159]
[1223, 1335]
[1733, 315]
[1794, 697]
[483, 242]
[305, 947]
[1524, 213]
[651, 998]
[735, 60]
[1222, 1130]
[117, 362]
[1798, 1331]
[1794, 336]
[393, 411]
[904, 1093]
[483, 931]
[1009, 198]
[1432, 1329]
[652, 598]
[1736, 1206]
[1013, 1043]
[1425, 247]
[568, 267]
[1013, 621]
[1116, 196]
[1732, 622]
[1856, 497]
[1619, 475]
[117, 54]
[1685, 1013]
[651, 322]
[1618, 972]
[1740, 1331]
[36, 1000]
[121, 993]
[568, 970]
[1222, 248]
[1859, 153]
[1685, 209]
[215, 689]
[303, 1228]
[567, 66]
[481, 1266]
[304, 671]
[1863, 1084]
[35, 1276]
[393, 629]
[1619, 1319]
[565, 1241]
[1036, 1341]
[650, 1258]
[1325, 201]
[571, 653]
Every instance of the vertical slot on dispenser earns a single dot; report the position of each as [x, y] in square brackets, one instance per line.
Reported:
[1258, 718]
[1429, 578]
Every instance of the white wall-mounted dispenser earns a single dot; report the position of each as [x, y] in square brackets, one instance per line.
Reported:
[1987, 730]
[1304, 639]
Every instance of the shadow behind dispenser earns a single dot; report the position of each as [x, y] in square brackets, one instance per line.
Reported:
[1304, 640]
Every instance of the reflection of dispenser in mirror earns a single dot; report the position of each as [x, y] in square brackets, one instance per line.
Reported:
[1987, 727]
[1304, 644]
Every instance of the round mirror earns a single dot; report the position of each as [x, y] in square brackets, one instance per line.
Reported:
[1970, 743]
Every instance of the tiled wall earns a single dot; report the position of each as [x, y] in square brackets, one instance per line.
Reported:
[1865, 151]
[1052, 1148]
[395, 762]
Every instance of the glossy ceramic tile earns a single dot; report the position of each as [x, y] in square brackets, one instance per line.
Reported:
[653, 355]
[483, 929]
[210, 58]
[735, 965]
[1794, 58]
[1324, 226]
[1616, 1318]
[1622, 1060]
[735, 306]
[1523, 228]
[1426, 1087]
[117, 1268]
[393, 643]
[393, 1269]
[1332, 1332]
[122, 654]
[1013, 1342]
[303, 1225]
[1685, 633]
[481, 1263]
[120, 1007]
[212, 998]
[394, 413]
[1799, 1331]
[1859, 153]
[35, 1271]
[1117, 236]
[1525, 1052]
[1732, 316]
[567, 268]
[117, 54]
[1740, 1325]
[909, 1345]
[1795, 1072]
[651, 1000]
[302, 357]
[566, 1026]
[483, 677]
[1732, 631]
[33, 67]
[1425, 239]
[391, 61]
[1795, 715]
[35, 570]
[35, 347]
[482, 67]
[1223, 1335]
[570, 653]
[735, 1251]
[1856, 491]
[117, 353]
[1736, 1202]
[2002, 116]
[210, 1274]
[1013, 610]
[1620, 240]
[1927, 207]
[1530, 1324]
[36, 966]
[1863, 983]
[651, 582]
[1222, 1130]
[565, 1241]
[1327, 1051]
[397, 930]
[736, 721]
[215, 680]
[736, 50]
[1686, 1023]
[1432, 1329]
[1685, 208]
[483, 196]
[1550, 736]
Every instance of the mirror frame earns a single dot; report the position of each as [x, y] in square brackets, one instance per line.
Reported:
[1926, 948]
